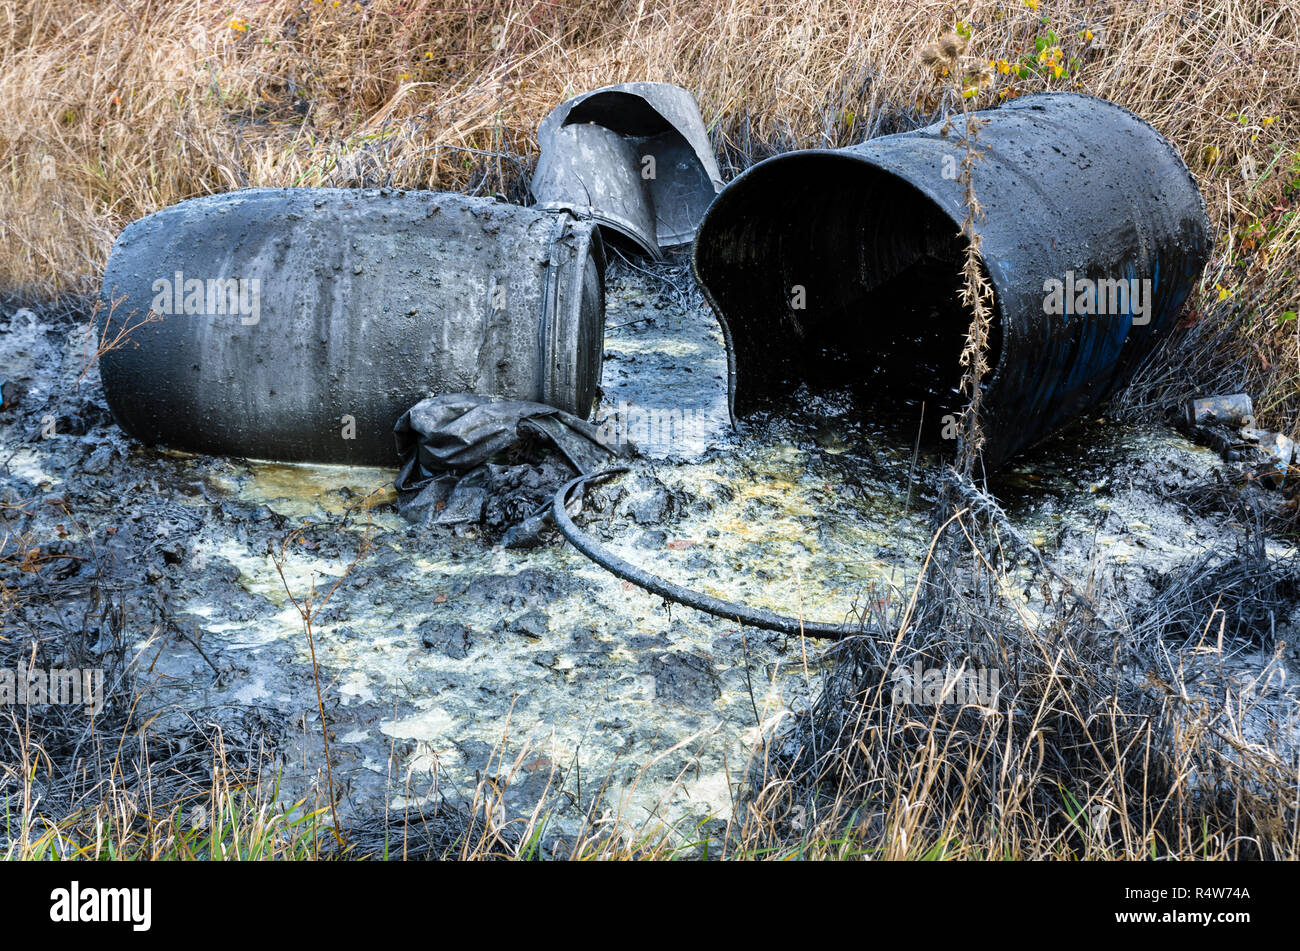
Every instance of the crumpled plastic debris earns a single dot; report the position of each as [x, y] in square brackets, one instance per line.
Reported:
[1227, 425]
[469, 459]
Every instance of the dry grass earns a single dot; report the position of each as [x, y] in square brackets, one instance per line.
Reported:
[1119, 732]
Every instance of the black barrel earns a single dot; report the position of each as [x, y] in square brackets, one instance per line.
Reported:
[634, 157]
[593, 172]
[299, 324]
[843, 264]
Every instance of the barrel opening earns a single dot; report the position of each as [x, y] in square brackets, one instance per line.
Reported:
[679, 186]
[835, 273]
[623, 238]
[621, 112]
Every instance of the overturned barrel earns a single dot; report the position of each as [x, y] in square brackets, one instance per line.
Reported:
[299, 324]
[635, 158]
[593, 172]
[843, 265]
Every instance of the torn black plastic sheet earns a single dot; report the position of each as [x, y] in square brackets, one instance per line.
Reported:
[468, 457]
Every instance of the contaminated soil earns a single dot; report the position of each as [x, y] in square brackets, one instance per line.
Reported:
[447, 662]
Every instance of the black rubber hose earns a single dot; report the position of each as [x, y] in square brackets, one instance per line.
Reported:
[753, 617]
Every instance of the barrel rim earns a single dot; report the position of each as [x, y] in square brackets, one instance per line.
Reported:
[604, 219]
[562, 317]
[835, 155]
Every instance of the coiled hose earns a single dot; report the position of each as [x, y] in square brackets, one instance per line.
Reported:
[743, 614]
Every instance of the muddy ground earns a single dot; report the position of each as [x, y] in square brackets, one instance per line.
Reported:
[450, 664]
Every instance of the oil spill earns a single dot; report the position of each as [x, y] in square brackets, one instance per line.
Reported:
[446, 662]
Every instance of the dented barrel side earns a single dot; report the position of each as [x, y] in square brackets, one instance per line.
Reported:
[653, 189]
[1075, 191]
[593, 172]
[299, 324]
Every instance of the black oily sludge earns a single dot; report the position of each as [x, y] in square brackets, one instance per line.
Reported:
[842, 265]
[298, 325]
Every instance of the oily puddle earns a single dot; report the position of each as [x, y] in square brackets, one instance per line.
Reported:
[301, 491]
[449, 648]
[452, 660]
[445, 649]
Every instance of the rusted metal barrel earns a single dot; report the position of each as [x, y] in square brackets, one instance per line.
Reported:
[844, 263]
[299, 324]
